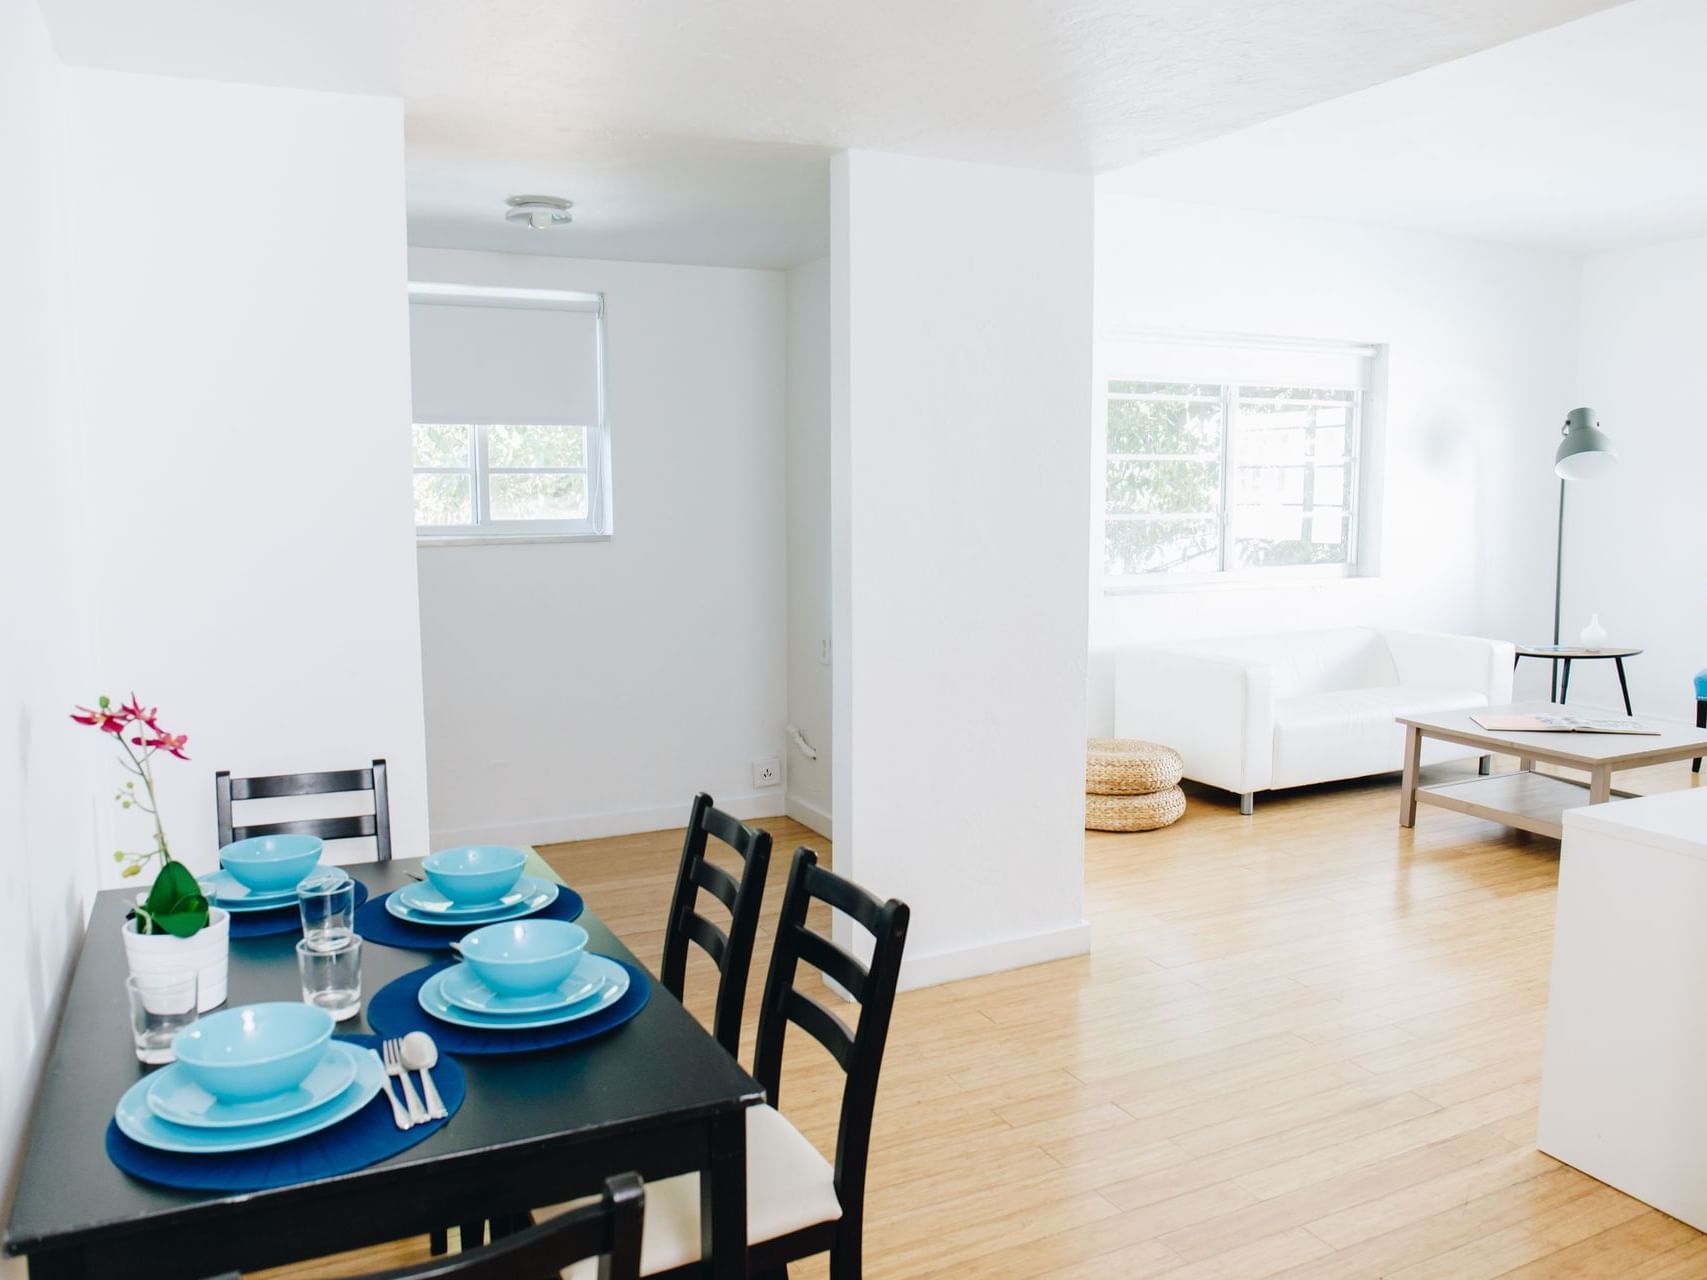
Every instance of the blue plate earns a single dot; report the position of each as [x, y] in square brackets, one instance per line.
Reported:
[394, 905]
[176, 1098]
[462, 987]
[223, 890]
[139, 1124]
[423, 899]
[615, 982]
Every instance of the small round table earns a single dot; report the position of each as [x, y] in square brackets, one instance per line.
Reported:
[1569, 653]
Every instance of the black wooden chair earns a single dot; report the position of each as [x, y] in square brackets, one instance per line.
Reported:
[228, 791]
[797, 1204]
[732, 951]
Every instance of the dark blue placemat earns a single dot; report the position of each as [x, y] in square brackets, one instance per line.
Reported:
[394, 1010]
[285, 919]
[376, 924]
[365, 1138]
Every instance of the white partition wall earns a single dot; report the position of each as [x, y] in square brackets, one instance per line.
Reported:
[960, 403]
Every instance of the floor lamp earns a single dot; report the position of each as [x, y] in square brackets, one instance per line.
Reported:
[1585, 453]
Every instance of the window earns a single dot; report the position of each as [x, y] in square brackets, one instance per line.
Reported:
[509, 437]
[1206, 478]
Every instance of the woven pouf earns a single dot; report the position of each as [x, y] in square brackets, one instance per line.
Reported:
[1134, 813]
[1128, 767]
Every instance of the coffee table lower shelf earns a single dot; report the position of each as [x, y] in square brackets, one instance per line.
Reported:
[1528, 801]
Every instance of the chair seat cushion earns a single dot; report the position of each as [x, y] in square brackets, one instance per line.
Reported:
[1350, 733]
[1701, 685]
[789, 1187]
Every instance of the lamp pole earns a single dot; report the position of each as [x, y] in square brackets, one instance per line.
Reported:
[1584, 453]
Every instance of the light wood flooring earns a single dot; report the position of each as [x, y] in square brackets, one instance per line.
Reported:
[1306, 1044]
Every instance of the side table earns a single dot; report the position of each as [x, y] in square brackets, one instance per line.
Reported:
[1568, 653]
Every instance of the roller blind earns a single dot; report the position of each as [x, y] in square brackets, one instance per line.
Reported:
[1234, 359]
[501, 364]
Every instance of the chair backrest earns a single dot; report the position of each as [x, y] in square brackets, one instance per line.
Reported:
[228, 790]
[732, 951]
[609, 1230]
[860, 1052]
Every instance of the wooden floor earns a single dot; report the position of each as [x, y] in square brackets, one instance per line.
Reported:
[1306, 1044]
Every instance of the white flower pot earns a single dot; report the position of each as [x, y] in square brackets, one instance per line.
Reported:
[208, 953]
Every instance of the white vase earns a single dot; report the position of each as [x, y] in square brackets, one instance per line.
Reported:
[208, 952]
[1594, 635]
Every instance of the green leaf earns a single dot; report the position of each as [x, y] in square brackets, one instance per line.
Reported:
[175, 904]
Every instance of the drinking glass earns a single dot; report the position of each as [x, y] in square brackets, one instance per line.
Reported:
[332, 980]
[161, 1005]
[328, 902]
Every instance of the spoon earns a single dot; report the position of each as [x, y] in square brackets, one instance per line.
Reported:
[421, 1054]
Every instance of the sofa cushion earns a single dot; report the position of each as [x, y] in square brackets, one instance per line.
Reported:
[1351, 732]
[1310, 662]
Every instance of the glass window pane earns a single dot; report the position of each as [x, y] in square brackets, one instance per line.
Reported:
[1161, 546]
[517, 446]
[443, 499]
[1165, 389]
[1295, 393]
[1167, 488]
[538, 497]
[441, 445]
[1267, 536]
[1257, 485]
[1164, 426]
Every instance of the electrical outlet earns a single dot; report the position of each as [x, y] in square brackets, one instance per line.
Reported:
[767, 773]
[824, 651]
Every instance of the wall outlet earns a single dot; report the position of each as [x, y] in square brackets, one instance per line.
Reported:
[824, 651]
[767, 773]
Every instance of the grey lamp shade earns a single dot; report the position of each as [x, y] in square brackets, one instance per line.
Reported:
[1585, 452]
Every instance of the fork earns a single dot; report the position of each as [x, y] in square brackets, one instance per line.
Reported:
[398, 1114]
[394, 1067]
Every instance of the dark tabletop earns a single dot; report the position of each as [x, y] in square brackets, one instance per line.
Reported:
[659, 1070]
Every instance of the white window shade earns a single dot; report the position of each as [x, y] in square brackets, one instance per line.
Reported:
[1232, 359]
[489, 364]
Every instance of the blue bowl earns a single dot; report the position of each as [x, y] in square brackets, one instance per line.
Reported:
[255, 1050]
[270, 863]
[475, 873]
[524, 957]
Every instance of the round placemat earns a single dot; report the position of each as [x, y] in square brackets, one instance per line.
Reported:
[365, 1138]
[395, 1010]
[376, 924]
[285, 919]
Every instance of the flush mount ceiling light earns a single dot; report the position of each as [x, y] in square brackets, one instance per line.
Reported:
[539, 212]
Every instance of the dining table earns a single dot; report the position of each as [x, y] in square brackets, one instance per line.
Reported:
[656, 1095]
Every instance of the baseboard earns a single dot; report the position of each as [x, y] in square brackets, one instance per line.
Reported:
[934, 968]
[593, 826]
[808, 814]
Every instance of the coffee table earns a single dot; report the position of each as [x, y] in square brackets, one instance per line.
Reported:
[1528, 800]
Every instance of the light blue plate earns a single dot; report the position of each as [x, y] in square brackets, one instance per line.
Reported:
[137, 1122]
[176, 1098]
[615, 983]
[423, 898]
[463, 988]
[465, 921]
[223, 890]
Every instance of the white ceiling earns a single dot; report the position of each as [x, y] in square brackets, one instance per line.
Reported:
[1585, 137]
[699, 130]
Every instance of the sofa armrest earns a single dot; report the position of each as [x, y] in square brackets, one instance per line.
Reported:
[1462, 662]
[1217, 712]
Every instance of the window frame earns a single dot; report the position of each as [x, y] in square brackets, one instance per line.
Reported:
[597, 524]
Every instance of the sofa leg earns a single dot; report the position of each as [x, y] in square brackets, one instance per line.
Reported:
[1248, 803]
[1485, 765]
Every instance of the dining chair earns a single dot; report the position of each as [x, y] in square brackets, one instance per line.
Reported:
[797, 1203]
[603, 1234]
[228, 791]
[732, 951]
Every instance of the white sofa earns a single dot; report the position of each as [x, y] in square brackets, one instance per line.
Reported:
[1261, 712]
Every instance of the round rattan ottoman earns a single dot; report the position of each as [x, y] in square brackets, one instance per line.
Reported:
[1134, 813]
[1131, 785]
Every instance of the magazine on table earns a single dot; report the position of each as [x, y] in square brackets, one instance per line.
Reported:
[1547, 722]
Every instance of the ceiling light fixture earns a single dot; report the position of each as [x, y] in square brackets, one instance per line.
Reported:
[539, 212]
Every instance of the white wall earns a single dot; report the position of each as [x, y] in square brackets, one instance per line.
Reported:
[1634, 549]
[239, 289]
[960, 380]
[590, 688]
[47, 845]
[1481, 368]
[808, 467]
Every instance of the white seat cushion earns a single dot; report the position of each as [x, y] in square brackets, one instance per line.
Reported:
[1349, 733]
[789, 1187]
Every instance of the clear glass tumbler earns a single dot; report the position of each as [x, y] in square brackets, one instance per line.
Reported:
[332, 980]
[328, 902]
[161, 1005]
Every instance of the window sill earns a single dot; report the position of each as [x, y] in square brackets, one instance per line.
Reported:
[505, 539]
[1241, 582]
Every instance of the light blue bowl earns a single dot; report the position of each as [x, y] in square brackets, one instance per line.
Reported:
[474, 873]
[254, 1051]
[267, 864]
[524, 957]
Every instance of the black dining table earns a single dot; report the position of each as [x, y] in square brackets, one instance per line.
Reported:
[656, 1095]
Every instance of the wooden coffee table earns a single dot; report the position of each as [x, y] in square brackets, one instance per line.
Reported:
[1528, 800]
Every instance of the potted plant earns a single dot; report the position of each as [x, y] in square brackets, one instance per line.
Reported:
[172, 929]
